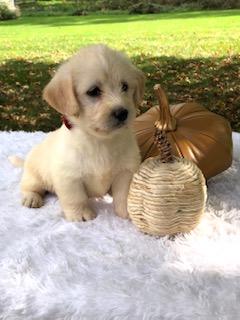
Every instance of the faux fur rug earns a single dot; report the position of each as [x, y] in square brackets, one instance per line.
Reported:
[106, 269]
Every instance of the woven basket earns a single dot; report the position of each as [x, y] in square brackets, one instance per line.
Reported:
[168, 194]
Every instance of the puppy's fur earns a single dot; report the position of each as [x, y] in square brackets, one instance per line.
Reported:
[99, 152]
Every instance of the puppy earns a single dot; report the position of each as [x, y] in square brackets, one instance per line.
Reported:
[97, 91]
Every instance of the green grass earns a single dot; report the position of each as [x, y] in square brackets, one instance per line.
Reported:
[194, 55]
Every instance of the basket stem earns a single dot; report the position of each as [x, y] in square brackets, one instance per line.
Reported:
[165, 124]
[164, 146]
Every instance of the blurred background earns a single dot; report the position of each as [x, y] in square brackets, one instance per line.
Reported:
[192, 48]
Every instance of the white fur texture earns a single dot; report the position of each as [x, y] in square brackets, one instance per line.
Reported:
[105, 269]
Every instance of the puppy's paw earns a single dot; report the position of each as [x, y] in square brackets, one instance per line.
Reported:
[120, 206]
[122, 213]
[85, 214]
[88, 214]
[32, 200]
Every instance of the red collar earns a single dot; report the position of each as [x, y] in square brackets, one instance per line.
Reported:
[66, 122]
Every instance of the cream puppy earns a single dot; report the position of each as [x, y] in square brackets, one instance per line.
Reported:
[97, 91]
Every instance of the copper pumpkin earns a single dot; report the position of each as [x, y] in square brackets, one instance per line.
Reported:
[193, 132]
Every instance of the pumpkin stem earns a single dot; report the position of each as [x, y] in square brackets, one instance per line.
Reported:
[166, 122]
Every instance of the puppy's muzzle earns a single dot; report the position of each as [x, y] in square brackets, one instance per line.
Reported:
[119, 116]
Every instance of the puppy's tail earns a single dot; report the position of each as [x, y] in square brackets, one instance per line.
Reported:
[16, 161]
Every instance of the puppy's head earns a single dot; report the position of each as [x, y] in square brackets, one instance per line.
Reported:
[98, 89]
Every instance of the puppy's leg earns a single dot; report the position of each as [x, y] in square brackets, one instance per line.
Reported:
[74, 200]
[120, 188]
[32, 190]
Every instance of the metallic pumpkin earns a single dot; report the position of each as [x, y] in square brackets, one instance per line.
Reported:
[193, 132]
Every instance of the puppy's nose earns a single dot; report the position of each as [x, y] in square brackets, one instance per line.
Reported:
[120, 114]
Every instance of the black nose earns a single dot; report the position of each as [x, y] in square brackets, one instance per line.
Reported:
[120, 114]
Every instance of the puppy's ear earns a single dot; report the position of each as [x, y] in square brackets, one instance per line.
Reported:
[60, 94]
[139, 90]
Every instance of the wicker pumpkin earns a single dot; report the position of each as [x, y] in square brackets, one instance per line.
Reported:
[168, 194]
[194, 133]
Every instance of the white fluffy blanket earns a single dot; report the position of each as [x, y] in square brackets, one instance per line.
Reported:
[106, 269]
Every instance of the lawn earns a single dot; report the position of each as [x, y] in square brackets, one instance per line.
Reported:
[194, 55]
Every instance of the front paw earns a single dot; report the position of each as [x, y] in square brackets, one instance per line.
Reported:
[85, 214]
[122, 213]
[32, 200]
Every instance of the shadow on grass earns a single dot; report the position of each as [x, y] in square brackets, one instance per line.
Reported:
[214, 82]
[21, 104]
[115, 18]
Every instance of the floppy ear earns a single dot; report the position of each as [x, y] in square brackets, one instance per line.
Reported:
[139, 90]
[59, 93]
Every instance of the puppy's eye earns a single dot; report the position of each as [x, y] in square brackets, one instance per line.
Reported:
[94, 92]
[124, 86]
